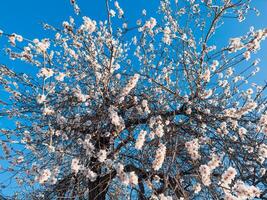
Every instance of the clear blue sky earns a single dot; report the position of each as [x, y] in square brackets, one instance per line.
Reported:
[24, 17]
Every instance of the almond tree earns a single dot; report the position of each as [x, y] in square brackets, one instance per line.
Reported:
[152, 110]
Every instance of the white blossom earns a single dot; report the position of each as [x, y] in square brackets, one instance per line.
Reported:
[140, 140]
[192, 147]
[102, 155]
[75, 167]
[159, 158]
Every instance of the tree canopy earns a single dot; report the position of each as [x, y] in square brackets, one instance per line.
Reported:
[152, 110]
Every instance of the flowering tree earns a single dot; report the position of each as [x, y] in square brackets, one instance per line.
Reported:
[155, 110]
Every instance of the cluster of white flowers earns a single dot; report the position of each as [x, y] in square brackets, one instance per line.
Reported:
[48, 110]
[263, 123]
[242, 132]
[206, 75]
[227, 177]
[13, 37]
[44, 176]
[206, 170]
[88, 146]
[145, 106]
[246, 55]
[244, 191]
[238, 113]
[262, 152]
[40, 99]
[192, 148]
[88, 25]
[159, 158]
[116, 120]
[121, 174]
[214, 162]
[167, 36]
[235, 44]
[119, 9]
[248, 107]
[206, 94]
[92, 176]
[102, 155]
[205, 173]
[140, 140]
[163, 197]
[254, 44]
[150, 24]
[79, 95]
[214, 65]
[75, 167]
[126, 178]
[156, 124]
[223, 129]
[60, 76]
[197, 188]
[133, 178]
[45, 73]
[130, 85]
[41, 46]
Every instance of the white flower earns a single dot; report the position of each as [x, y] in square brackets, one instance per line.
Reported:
[244, 191]
[262, 152]
[206, 75]
[130, 85]
[214, 162]
[242, 131]
[60, 76]
[192, 148]
[19, 38]
[140, 140]
[75, 167]
[197, 188]
[91, 175]
[246, 55]
[89, 25]
[102, 155]
[45, 175]
[205, 173]
[167, 36]
[235, 44]
[150, 24]
[228, 176]
[145, 106]
[157, 126]
[159, 158]
[48, 111]
[215, 63]
[133, 178]
[42, 46]
[40, 99]
[112, 13]
[45, 73]
[206, 94]
[12, 39]
[116, 120]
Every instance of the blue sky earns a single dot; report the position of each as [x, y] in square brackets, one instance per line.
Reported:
[24, 17]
